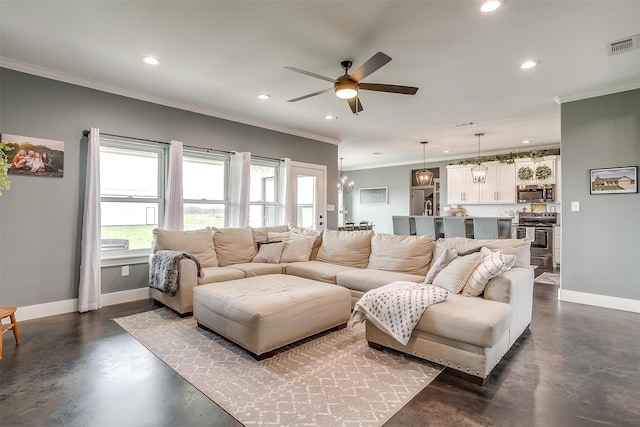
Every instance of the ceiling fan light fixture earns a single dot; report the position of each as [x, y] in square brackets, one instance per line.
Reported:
[424, 176]
[488, 6]
[346, 89]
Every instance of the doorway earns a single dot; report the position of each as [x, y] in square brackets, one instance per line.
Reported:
[309, 195]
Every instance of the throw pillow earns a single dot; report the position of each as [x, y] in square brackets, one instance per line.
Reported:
[297, 249]
[455, 275]
[269, 253]
[443, 260]
[492, 264]
[198, 243]
[273, 236]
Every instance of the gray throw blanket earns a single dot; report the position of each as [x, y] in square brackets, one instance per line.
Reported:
[397, 308]
[163, 273]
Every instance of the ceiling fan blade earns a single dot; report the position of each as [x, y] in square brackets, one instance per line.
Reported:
[373, 64]
[310, 95]
[405, 90]
[310, 74]
[355, 104]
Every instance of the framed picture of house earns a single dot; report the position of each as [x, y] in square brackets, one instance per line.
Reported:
[374, 196]
[614, 180]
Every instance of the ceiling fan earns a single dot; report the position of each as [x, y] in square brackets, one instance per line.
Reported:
[348, 86]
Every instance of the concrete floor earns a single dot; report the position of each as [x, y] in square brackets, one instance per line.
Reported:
[577, 365]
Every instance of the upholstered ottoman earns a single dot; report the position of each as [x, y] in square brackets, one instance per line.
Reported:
[264, 313]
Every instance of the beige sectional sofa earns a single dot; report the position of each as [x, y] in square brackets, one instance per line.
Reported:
[467, 333]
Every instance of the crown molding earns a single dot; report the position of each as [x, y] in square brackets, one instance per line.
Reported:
[621, 86]
[92, 84]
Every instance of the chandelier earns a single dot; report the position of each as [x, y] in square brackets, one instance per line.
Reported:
[343, 183]
[479, 171]
[424, 176]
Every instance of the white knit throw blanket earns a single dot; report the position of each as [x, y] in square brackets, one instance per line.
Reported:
[396, 308]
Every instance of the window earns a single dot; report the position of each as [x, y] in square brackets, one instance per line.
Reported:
[263, 196]
[204, 190]
[131, 196]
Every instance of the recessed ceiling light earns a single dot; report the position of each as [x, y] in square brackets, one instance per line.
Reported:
[490, 5]
[526, 141]
[330, 117]
[150, 60]
[446, 151]
[529, 64]
[264, 96]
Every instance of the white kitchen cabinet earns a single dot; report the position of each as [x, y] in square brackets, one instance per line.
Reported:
[533, 165]
[556, 245]
[460, 186]
[498, 188]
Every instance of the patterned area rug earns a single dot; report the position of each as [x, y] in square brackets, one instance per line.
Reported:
[548, 278]
[332, 379]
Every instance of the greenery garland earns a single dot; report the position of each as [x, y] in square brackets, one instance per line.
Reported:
[4, 168]
[543, 172]
[510, 158]
[525, 173]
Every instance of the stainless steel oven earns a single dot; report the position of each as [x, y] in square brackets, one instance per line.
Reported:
[538, 227]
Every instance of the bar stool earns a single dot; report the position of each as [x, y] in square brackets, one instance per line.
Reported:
[455, 226]
[401, 226]
[426, 225]
[485, 228]
[11, 313]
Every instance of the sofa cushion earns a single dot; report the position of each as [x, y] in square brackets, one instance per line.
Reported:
[297, 249]
[439, 264]
[455, 275]
[261, 234]
[404, 254]
[521, 248]
[198, 243]
[219, 274]
[491, 265]
[234, 245]
[252, 269]
[469, 320]
[347, 248]
[316, 270]
[269, 253]
[364, 280]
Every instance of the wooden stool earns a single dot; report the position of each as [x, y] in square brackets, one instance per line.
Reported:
[11, 313]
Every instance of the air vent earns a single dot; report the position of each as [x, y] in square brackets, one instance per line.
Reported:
[623, 45]
[465, 124]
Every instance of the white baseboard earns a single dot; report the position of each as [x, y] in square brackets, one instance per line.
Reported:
[604, 301]
[69, 306]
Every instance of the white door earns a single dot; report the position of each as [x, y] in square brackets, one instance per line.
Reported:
[309, 195]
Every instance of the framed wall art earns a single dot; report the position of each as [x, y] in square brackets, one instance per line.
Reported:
[31, 156]
[374, 196]
[616, 180]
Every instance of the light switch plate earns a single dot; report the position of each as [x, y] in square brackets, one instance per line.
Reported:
[575, 206]
[125, 270]
[331, 208]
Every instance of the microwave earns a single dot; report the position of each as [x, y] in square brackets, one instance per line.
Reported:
[535, 193]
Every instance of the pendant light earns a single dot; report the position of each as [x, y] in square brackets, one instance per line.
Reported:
[343, 184]
[424, 176]
[479, 171]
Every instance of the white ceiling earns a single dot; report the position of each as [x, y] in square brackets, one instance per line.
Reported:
[218, 55]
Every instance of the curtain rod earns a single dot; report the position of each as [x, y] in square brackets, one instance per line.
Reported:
[86, 133]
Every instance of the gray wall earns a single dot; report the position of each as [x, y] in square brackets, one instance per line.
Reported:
[601, 243]
[398, 181]
[40, 218]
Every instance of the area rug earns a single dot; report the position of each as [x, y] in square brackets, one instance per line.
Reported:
[332, 379]
[548, 278]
